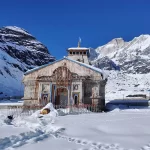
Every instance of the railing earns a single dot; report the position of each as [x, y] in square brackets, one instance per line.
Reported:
[62, 110]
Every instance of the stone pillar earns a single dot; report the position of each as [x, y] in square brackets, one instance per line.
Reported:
[39, 93]
[51, 92]
[55, 94]
[102, 93]
[82, 92]
[69, 95]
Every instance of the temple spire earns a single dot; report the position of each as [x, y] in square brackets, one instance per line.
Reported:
[79, 42]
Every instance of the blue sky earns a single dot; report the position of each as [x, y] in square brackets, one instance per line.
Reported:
[59, 23]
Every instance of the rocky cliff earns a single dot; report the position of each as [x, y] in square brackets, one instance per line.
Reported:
[131, 57]
[19, 51]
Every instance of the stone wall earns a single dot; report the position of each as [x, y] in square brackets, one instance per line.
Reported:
[32, 87]
[94, 92]
[81, 58]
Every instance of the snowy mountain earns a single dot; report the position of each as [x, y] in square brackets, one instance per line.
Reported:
[130, 57]
[128, 64]
[19, 51]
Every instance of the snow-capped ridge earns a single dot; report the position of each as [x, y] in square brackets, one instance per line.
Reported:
[17, 29]
[120, 39]
[132, 56]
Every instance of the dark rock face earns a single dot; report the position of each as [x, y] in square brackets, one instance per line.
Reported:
[92, 54]
[19, 52]
[106, 63]
[19, 44]
[140, 66]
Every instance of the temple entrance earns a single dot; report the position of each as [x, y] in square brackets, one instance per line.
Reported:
[61, 97]
[63, 78]
[59, 86]
[76, 98]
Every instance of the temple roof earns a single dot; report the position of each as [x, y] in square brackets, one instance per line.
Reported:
[80, 63]
[78, 48]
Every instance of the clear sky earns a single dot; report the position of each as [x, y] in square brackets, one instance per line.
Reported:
[59, 23]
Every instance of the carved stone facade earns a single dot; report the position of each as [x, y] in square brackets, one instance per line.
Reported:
[64, 82]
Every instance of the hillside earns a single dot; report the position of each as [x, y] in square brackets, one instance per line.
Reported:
[128, 64]
[130, 57]
[19, 51]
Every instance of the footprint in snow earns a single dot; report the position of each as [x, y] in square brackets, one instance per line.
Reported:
[93, 145]
[71, 140]
[84, 142]
[78, 141]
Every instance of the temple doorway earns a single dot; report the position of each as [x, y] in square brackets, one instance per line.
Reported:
[61, 97]
[76, 98]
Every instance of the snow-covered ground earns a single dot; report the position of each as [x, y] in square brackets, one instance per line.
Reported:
[11, 102]
[115, 130]
[120, 85]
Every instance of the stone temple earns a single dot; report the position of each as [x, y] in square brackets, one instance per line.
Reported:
[68, 81]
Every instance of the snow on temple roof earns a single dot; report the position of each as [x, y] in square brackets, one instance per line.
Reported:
[80, 63]
[78, 48]
[90, 67]
[40, 67]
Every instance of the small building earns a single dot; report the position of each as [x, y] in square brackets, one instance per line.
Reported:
[68, 81]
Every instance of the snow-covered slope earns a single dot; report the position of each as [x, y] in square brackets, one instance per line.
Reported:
[128, 64]
[120, 84]
[111, 47]
[19, 51]
[131, 57]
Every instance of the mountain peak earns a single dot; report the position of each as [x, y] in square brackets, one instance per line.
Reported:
[17, 29]
[132, 56]
[111, 47]
[19, 51]
[144, 35]
[17, 42]
[116, 42]
[118, 39]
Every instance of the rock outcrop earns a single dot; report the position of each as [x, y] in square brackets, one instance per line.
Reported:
[19, 51]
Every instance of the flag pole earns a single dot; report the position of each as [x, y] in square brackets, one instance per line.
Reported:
[79, 42]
